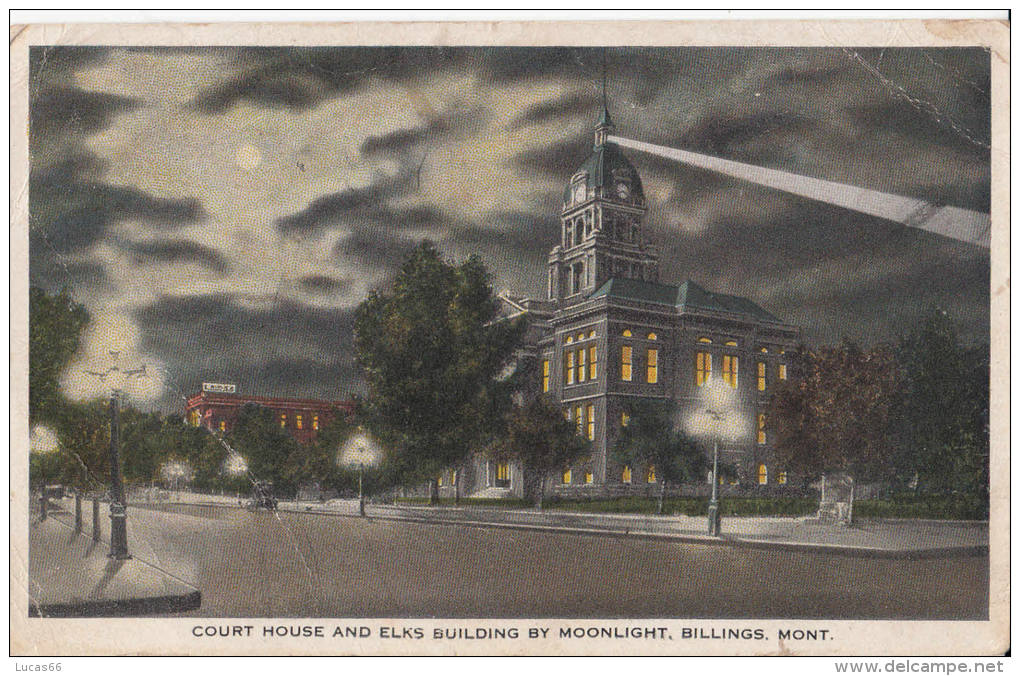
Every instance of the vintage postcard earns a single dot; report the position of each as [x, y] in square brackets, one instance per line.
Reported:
[577, 338]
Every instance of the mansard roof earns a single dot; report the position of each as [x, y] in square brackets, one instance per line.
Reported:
[687, 297]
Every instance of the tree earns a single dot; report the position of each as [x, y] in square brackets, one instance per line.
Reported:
[432, 349]
[317, 462]
[84, 434]
[266, 446]
[945, 409]
[55, 328]
[541, 440]
[651, 438]
[836, 413]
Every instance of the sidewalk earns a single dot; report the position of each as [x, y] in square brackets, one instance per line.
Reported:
[70, 575]
[907, 538]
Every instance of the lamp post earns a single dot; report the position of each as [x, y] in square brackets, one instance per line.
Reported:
[118, 501]
[359, 451]
[715, 417]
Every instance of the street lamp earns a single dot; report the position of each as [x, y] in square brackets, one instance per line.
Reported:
[173, 472]
[117, 378]
[716, 415]
[358, 451]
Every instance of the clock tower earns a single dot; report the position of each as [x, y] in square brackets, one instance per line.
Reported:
[601, 233]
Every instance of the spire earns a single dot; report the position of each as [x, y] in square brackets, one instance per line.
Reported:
[604, 125]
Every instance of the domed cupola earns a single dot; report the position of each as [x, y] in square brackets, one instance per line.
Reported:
[607, 174]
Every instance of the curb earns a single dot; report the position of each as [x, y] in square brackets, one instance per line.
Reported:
[688, 538]
[147, 605]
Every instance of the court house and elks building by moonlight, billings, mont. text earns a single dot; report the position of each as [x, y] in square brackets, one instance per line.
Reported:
[609, 334]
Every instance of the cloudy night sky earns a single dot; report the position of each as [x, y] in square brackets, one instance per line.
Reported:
[221, 212]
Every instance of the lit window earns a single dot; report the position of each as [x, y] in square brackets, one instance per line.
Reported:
[582, 372]
[298, 422]
[624, 418]
[626, 362]
[315, 422]
[580, 336]
[545, 375]
[627, 333]
[570, 339]
[652, 336]
[782, 371]
[591, 334]
[653, 366]
[761, 428]
[704, 340]
[588, 478]
[729, 370]
[439, 481]
[568, 369]
[593, 358]
[566, 413]
[731, 343]
[503, 472]
[764, 350]
[781, 478]
[566, 476]
[650, 474]
[589, 412]
[626, 474]
[763, 474]
[579, 419]
[223, 426]
[761, 376]
[702, 368]
[283, 420]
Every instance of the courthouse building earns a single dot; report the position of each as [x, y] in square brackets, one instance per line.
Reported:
[609, 332]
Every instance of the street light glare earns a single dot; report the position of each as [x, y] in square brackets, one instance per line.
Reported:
[42, 440]
[359, 450]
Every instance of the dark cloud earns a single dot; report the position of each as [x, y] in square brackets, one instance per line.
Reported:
[347, 204]
[71, 209]
[402, 140]
[64, 110]
[298, 78]
[280, 347]
[565, 106]
[179, 251]
[375, 248]
[323, 284]
[559, 158]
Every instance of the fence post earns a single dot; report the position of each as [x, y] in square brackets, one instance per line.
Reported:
[77, 511]
[95, 518]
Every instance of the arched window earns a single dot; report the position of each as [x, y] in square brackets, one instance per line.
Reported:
[782, 371]
[704, 340]
[568, 369]
[223, 426]
[566, 476]
[588, 477]
[315, 421]
[593, 357]
[283, 420]
[627, 333]
[570, 339]
[781, 478]
[731, 343]
[763, 474]
[652, 336]
[626, 476]
[761, 376]
[591, 334]
[298, 422]
[580, 336]
[653, 366]
[761, 428]
[764, 350]
[545, 376]
[624, 418]
[582, 371]
[650, 474]
[589, 413]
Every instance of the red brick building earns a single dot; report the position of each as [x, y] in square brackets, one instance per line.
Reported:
[302, 418]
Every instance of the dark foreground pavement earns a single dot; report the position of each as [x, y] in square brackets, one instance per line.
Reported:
[70, 575]
[298, 564]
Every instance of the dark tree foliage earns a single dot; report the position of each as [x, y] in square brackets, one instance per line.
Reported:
[266, 447]
[317, 462]
[432, 349]
[652, 438]
[945, 410]
[541, 440]
[837, 412]
[55, 325]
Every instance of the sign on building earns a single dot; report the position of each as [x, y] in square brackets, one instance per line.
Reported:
[222, 388]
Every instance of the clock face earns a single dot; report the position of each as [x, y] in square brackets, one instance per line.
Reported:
[623, 190]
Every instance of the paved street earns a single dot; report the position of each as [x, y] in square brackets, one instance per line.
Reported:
[291, 564]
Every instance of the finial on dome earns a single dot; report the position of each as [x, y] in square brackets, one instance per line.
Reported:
[604, 126]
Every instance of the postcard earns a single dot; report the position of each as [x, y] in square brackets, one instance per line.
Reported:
[510, 338]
